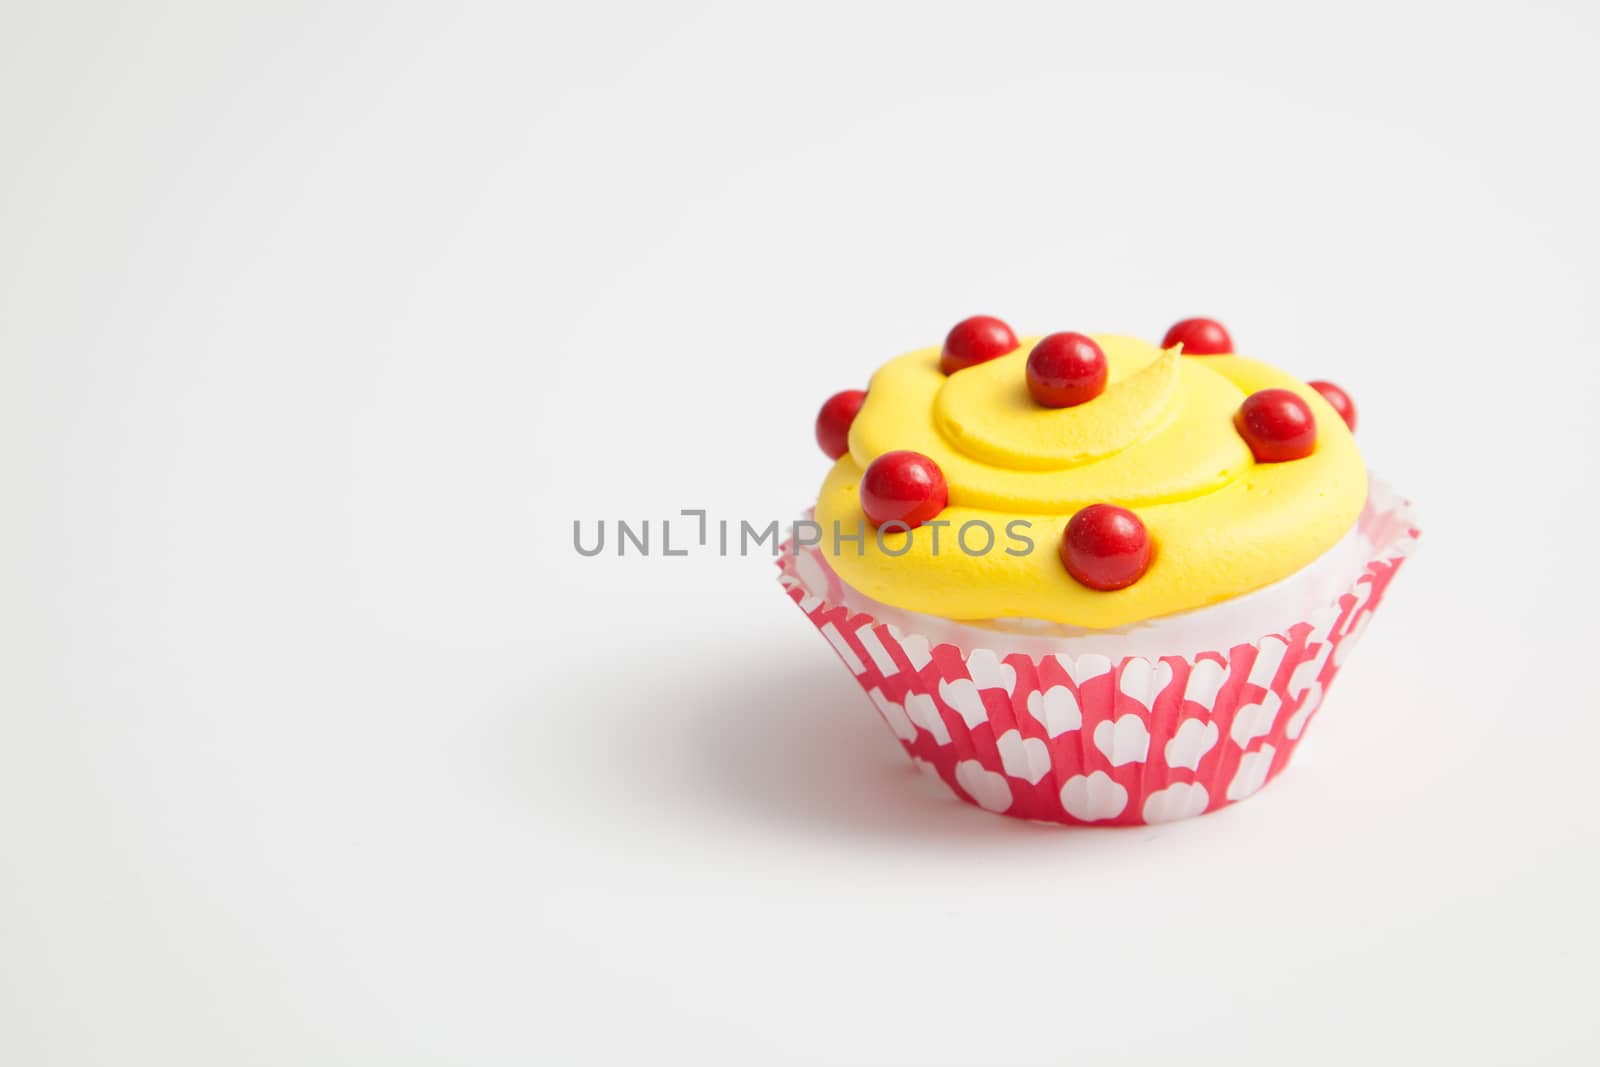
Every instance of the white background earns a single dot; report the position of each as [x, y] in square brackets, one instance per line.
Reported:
[320, 323]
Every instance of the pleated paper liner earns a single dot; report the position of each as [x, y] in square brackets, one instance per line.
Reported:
[1076, 737]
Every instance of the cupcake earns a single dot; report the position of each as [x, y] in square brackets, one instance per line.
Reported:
[1089, 579]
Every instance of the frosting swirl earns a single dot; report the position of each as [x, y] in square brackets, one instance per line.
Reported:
[1159, 441]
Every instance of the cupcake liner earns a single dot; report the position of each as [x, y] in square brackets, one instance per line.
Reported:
[1090, 738]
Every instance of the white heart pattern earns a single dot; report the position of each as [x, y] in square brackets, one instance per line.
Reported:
[1323, 621]
[893, 714]
[1305, 675]
[1083, 668]
[915, 647]
[1126, 740]
[1269, 655]
[988, 672]
[962, 695]
[1348, 643]
[1195, 737]
[1026, 758]
[1180, 800]
[1363, 593]
[1089, 724]
[983, 785]
[1255, 720]
[1252, 773]
[1093, 797]
[1056, 709]
[1297, 721]
[921, 710]
[1144, 681]
[1205, 679]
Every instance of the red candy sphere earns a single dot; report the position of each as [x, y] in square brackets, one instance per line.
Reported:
[1277, 425]
[1200, 337]
[1106, 547]
[833, 421]
[903, 487]
[1065, 370]
[1340, 401]
[976, 340]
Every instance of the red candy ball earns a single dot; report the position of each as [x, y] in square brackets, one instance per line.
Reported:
[903, 487]
[833, 421]
[1340, 401]
[1106, 547]
[976, 340]
[1277, 425]
[1065, 370]
[1200, 337]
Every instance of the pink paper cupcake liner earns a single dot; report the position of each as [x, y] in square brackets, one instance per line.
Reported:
[1095, 739]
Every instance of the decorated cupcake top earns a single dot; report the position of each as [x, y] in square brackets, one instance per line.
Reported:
[1083, 479]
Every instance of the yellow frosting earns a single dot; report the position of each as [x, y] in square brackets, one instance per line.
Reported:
[1160, 440]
